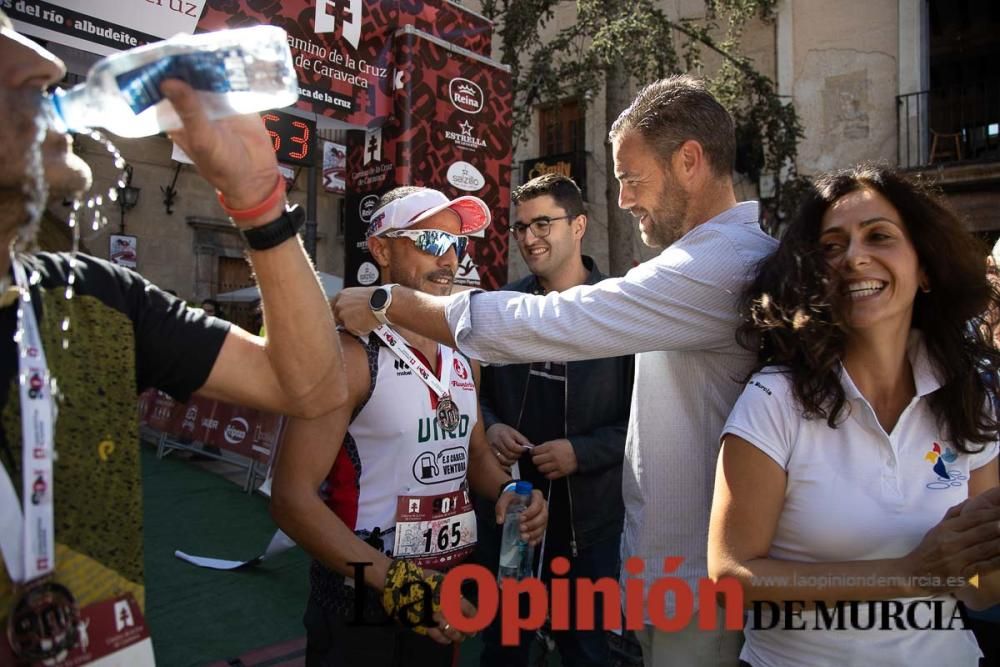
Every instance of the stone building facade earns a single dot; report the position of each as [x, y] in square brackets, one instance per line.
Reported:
[906, 82]
[193, 249]
[870, 79]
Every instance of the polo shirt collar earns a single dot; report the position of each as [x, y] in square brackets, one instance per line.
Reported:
[926, 377]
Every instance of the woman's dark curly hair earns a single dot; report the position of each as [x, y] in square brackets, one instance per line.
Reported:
[792, 311]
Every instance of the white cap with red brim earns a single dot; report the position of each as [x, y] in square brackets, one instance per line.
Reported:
[418, 206]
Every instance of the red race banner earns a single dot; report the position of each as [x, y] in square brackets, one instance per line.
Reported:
[343, 48]
[456, 115]
[160, 411]
[251, 433]
[451, 131]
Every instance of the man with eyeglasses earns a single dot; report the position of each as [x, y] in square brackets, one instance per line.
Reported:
[674, 150]
[395, 465]
[562, 424]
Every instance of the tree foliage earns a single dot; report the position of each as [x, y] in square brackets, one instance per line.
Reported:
[640, 39]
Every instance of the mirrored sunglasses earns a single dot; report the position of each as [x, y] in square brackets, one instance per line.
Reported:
[433, 241]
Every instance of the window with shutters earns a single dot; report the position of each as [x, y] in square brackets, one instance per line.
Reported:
[561, 128]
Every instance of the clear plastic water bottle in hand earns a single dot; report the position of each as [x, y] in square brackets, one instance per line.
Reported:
[515, 553]
[233, 71]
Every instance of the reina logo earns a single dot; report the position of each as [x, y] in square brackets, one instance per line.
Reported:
[465, 176]
[465, 95]
[367, 207]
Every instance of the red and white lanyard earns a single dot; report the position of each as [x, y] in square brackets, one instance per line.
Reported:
[27, 529]
[398, 345]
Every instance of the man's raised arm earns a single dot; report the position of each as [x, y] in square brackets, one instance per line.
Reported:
[299, 368]
[667, 303]
[410, 309]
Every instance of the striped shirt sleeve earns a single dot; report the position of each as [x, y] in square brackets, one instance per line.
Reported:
[684, 299]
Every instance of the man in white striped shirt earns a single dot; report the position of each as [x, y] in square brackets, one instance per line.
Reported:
[674, 149]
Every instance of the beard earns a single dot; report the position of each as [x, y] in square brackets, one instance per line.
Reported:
[667, 221]
[663, 231]
[38, 164]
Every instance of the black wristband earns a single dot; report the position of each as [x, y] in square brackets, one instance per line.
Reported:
[276, 232]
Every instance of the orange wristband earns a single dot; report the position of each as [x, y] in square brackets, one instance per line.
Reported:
[260, 209]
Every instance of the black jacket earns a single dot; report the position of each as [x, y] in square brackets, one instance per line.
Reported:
[597, 409]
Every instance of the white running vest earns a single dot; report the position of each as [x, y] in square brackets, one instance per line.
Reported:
[395, 446]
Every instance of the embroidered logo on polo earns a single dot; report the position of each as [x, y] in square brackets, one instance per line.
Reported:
[940, 458]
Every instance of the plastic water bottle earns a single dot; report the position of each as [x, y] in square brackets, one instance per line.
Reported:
[515, 554]
[234, 72]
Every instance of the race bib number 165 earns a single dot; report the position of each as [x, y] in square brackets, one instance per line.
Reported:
[435, 532]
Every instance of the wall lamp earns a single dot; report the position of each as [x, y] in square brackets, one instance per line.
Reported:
[128, 195]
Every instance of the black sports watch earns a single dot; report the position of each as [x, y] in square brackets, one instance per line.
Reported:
[276, 232]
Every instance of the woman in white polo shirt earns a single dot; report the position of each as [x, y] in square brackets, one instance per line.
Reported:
[846, 458]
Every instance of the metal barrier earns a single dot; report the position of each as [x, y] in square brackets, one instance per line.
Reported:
[242, 436]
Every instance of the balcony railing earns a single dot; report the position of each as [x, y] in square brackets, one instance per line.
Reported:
[949, 124]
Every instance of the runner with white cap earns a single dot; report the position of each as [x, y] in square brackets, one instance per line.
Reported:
[396, 463]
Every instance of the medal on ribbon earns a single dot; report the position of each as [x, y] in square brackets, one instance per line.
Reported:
[448, 415]
[43, 623]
